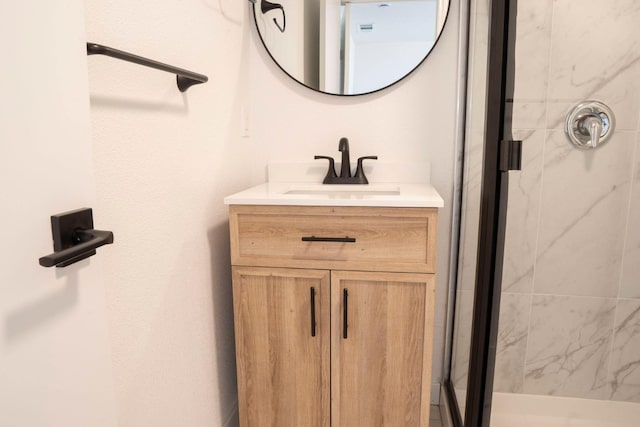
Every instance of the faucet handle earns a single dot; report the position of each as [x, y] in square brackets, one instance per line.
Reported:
[331, 172]
[361, 178]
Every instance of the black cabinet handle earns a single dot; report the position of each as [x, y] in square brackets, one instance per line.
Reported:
[313, 311]
[345, 297]
[329, 239]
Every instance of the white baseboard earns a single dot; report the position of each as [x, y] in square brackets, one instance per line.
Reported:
[232, 419]
[435, 394]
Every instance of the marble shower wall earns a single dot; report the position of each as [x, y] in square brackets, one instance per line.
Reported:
[570, 312]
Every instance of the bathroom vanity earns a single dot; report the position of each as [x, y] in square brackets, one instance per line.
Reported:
[333, 295]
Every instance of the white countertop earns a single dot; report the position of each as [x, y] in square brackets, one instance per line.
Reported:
[312, 194]
[383, 190]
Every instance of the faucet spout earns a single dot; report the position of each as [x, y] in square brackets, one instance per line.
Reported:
[345, 168]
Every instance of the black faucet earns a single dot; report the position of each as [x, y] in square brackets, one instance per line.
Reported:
[345, 169]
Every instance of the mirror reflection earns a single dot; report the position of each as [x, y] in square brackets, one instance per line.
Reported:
[349, 47]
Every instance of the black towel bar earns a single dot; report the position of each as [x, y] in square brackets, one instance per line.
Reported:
[184, 78]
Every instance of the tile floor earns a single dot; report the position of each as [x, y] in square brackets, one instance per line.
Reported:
[434, 417]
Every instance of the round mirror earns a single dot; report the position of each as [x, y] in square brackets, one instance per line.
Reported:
[349, 47]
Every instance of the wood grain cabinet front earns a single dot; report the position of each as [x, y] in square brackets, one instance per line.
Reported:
[282, 358]
[357, 238]
[332, 347]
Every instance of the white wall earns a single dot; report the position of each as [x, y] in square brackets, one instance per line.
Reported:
[55, 359]
[413, 121]
[367, 74]
[401, 35]
[164, 161]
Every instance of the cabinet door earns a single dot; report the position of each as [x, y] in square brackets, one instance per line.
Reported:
[381, 363]
[283, 363]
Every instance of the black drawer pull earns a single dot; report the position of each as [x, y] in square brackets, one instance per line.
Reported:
[313, 311]
[345, 324]
[329, 239]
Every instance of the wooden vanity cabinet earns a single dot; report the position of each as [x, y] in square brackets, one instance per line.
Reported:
[331, 345]
[282, 359]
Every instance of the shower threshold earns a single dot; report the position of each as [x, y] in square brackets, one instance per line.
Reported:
[525, 410]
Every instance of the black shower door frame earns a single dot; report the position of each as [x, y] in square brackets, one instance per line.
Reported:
[493, 214]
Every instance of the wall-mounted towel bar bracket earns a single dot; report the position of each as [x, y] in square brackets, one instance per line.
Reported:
[184, 78]
[74, 238]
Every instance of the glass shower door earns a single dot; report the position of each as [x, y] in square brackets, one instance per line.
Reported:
[470, 201]
[488, 153]
[568, 343]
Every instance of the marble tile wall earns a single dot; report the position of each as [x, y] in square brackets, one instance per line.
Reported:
[570, 312]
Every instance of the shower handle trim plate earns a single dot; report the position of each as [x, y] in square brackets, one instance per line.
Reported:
[589, 125]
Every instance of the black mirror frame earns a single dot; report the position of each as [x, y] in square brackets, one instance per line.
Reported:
[255, 21]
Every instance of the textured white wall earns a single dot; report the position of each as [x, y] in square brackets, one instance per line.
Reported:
[413, 121]
[164, 161]
[55, 361]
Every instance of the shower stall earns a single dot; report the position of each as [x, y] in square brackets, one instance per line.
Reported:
[546, 323]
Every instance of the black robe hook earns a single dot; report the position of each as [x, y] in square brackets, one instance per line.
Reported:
[267, 6]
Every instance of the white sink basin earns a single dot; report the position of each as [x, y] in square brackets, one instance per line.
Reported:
[316, 194]
[342, 190]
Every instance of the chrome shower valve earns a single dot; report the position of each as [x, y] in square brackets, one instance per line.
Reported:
[589, 125]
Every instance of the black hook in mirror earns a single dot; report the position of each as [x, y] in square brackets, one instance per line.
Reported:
[267, 6]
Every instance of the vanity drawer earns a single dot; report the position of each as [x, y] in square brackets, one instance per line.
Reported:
[380, 239]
